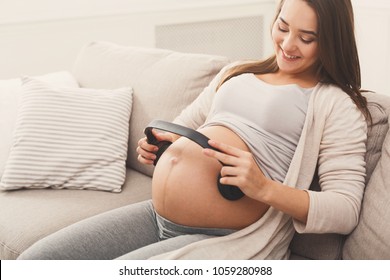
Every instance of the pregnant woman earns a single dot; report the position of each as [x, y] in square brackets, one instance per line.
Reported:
[273, 124]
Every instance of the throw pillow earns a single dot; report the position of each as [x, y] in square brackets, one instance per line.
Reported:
[69, 138]
[10, 91]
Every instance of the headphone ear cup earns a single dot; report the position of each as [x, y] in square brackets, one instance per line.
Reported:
[162, 146]
[228, 191]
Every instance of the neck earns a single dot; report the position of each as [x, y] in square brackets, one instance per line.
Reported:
[283, 79]
[305, 80]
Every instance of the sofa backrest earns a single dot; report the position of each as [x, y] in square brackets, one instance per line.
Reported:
[374, 222]
[163, 81]
[371, 238]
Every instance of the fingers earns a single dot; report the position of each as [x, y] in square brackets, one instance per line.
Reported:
[231, 180]
[228, 171]
[143, 160]
[223, 158]
[146, 152]
[143, 145]
[227, 149]
[164, 136]
[226, 154]
[237, 164]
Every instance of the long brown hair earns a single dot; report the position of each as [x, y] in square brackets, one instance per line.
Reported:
[338, 56]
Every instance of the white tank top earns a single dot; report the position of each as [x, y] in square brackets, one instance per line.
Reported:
[268, 118]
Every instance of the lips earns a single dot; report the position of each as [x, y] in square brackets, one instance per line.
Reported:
[289, 57]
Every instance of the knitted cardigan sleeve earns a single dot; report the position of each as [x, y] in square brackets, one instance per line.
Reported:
[341, 166]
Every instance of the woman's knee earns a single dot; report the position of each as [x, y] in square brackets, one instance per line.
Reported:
[105, 236]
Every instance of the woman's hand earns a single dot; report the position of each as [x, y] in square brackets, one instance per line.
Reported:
[240, 169]
[147, 152]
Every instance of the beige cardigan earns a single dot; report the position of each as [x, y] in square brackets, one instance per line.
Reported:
[334, 136]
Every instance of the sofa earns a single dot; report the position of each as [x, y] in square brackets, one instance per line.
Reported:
[153, 84]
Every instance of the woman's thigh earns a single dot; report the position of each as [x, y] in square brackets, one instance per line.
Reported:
[173, 236]
[105, 236]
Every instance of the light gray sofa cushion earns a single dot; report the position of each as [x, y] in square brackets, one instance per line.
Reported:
[164, 82]
[29, 215]
[330, 246]
[371, 238]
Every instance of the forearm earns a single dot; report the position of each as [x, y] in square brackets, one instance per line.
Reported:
[292, 201]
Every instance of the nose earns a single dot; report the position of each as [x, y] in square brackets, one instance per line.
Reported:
[288, 43]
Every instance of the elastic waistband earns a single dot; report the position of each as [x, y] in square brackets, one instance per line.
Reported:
[170, 229]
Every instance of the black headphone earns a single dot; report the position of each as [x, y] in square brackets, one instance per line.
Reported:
[227, 191]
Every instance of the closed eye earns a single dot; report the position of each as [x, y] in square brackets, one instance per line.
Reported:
[307, 41]
[282, 29]
[308, 37]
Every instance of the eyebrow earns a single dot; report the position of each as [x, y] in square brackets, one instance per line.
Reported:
[301, 30]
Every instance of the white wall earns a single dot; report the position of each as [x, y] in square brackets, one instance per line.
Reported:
[38, 10]
[39, 36]
[373, 37]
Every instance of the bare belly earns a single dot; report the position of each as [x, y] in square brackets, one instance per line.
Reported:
[185, 186]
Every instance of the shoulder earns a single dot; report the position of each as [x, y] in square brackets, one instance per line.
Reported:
[331, 93]
[331, 98]
[233, 66]
[334, 107]
[330, 106]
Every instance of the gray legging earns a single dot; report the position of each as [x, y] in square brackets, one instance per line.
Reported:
[131, 232]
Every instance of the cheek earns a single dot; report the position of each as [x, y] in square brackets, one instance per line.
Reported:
[312, 52]
[275, 35]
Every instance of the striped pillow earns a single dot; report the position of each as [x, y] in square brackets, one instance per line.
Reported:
[72, 138]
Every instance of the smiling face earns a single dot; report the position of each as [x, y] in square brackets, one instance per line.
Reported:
[294, 34]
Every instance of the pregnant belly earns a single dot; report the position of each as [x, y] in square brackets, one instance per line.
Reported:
[184, 186]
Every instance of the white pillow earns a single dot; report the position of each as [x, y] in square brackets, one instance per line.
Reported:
[9, 99]
[69, 138]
